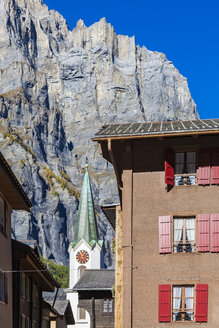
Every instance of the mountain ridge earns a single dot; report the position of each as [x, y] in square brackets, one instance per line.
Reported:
[57, 87]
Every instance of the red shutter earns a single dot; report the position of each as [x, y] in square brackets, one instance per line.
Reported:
[169, 168]
[203, 233]
[164, 234]
[201, 303]
[204, 167]
[164, 303]
[215, 167]
[215, 232]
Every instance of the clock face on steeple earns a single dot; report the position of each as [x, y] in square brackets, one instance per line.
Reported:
[82, 256]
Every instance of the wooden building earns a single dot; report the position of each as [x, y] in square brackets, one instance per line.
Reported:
[95, 296]
[168, 181]
[30, 279]
[12, 197]
[57, 309]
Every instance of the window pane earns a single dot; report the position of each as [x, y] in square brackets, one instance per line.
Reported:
[190, 235]
[190, 223]
[190, 162]
[177, 292]
[191, 157]
[179, 158]
[110, 306]
[178, 229]
[2, 292]
[2, 215]
[23, 284]
[82, 314]
[179, 163]
[189, 291]
[178, 235]
[179, 168]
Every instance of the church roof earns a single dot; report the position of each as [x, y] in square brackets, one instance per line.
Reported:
[86, 226]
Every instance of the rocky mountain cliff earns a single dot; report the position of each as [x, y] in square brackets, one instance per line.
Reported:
[57, 87]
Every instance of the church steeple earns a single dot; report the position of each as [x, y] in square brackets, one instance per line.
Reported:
[86, 226]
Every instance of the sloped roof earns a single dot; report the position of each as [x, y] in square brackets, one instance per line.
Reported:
[21, 249]
[49, 296]
[11, 188]
[96, 279]
[86, 226]
[157, 128]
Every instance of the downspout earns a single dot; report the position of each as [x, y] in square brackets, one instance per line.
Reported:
[112, 158]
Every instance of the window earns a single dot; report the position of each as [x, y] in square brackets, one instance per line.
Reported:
[184, 235]
[81, 270]
[183, 303]
[34, 324]
[81, 314]
[3, 287]
[107, 306]
[189, 167]
[177, 234]
[35, 295]
[185, 168]
[2, 216]
[25, 287]
[179, 303]
[24, 321]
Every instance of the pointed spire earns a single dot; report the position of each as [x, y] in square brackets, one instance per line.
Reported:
[86, 226]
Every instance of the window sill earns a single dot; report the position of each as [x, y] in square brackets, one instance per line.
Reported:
[186, 186]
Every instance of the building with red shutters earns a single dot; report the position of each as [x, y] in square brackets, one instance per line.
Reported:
[168, 182]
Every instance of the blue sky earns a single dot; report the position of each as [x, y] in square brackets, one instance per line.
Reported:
[186, 31]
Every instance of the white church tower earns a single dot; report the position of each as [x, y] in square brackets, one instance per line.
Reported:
[84, 250]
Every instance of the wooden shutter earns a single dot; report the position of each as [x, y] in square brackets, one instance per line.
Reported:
[203, 232]
[169, 167]
[214, 232]
[164, 234]
[204, 167]
[164, 303]
[201, 303]
[215, 167]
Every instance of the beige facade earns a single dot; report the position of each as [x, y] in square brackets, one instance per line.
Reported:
[145, 197]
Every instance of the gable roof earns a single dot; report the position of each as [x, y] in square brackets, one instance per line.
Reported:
[157, 129]
[96, 279]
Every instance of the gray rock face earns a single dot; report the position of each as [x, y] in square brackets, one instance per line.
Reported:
[57, 87]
